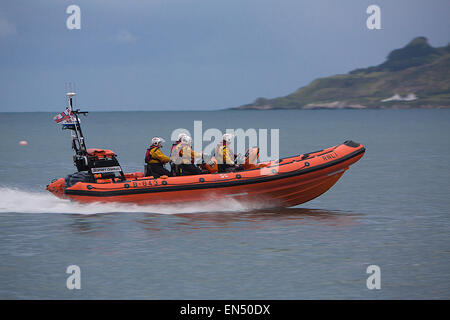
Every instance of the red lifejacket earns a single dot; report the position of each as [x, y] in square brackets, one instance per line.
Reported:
[148, 155]
[174, 145]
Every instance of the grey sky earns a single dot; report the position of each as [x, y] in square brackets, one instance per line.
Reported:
[194, 54]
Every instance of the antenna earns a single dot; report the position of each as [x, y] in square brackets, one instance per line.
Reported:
[77, 134]
[70, 95]
[74, 88]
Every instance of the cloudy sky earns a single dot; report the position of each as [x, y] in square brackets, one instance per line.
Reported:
[194, 54]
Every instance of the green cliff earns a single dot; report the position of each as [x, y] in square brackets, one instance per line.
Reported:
[416, 76]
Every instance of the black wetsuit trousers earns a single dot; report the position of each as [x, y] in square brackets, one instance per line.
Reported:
[189, 169]
[225, 167]
[157, 170]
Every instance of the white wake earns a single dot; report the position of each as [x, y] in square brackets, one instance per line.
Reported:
[23, 201]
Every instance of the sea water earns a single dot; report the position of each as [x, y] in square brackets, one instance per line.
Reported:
[391, 209]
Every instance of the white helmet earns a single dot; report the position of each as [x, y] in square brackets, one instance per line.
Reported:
[181, 135]
[227, 137]
[186, 140]
[157, 140]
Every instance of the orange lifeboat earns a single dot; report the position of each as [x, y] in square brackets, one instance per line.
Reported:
[282, 183]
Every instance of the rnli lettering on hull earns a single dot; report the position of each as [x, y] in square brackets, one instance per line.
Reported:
[330, 156]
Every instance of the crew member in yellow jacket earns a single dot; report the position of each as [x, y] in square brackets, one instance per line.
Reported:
[156, 159]
[224, 155]
[185, 157]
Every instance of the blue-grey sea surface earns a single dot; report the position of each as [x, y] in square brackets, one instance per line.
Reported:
[391, 209]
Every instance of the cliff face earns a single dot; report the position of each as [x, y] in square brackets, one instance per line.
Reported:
[415, 76]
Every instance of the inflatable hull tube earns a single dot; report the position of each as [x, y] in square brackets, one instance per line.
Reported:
[283, 183]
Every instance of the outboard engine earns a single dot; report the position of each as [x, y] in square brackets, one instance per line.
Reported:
[96, 164]
[92, 164]
[102, 164]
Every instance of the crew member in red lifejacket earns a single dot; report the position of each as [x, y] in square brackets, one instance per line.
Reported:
[156, 159]
[224, 154]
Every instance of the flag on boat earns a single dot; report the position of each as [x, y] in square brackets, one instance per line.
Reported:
[65, 118]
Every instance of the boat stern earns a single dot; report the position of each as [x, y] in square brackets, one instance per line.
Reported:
[57, 187]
